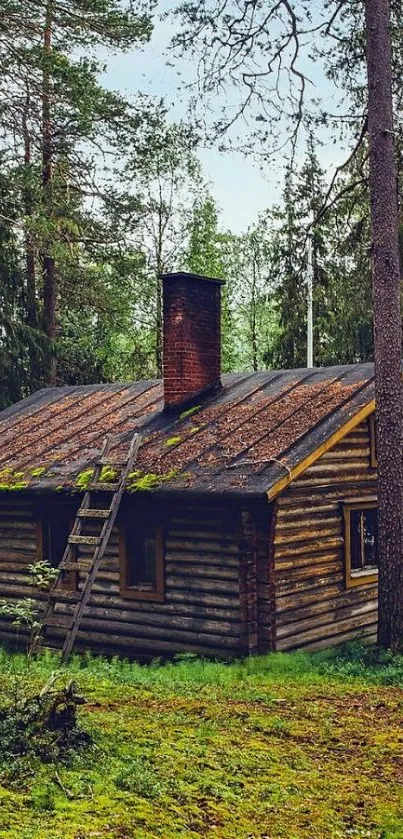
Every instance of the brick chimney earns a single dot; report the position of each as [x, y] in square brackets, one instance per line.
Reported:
[192, 336]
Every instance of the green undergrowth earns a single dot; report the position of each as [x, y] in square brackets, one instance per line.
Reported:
[296, 746]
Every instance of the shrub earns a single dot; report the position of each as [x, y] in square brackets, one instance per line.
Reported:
[44, 725]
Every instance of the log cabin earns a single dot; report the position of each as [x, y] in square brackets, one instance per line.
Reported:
[249, 523]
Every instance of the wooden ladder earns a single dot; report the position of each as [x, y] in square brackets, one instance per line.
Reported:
[70, 562]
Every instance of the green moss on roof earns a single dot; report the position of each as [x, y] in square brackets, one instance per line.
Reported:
[189, 412]
[140, 481]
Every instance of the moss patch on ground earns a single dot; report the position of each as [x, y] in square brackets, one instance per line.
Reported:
[297, 746]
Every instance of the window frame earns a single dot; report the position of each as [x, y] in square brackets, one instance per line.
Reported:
[356, 577]
[372, 437]
[127, 592]
[70, 580]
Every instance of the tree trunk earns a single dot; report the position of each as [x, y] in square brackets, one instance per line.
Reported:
[29, 210]
[387, 322]
[159, 247]
[255, 366]
[158, 325]
[48, 262]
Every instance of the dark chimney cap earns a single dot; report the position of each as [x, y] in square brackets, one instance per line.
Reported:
[186, 275]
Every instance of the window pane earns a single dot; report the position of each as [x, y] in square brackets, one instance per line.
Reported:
[56, 530]
[355, 540]
[364, 538]
[370, 537]
[146, 559]
[141, 557]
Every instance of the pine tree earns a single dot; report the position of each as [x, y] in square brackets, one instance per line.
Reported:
[53, 115]
[387, 323]
[21, 349]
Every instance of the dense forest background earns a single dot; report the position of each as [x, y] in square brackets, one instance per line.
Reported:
[99, 195]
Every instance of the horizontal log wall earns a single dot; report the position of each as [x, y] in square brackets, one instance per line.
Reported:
[18, 549]
[313, 607]
[201, 610]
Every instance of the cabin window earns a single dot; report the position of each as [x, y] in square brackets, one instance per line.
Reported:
[53, 528]
[141, 545]
[372, 437]
[361, 542]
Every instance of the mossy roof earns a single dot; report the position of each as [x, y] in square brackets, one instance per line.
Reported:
[243, 439]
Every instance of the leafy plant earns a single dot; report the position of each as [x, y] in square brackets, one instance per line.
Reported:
[42, 574]
[26, 612]
[22, 613]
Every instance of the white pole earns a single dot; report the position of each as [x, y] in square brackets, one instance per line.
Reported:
[309, 341]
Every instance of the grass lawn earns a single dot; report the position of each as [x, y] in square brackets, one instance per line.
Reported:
[293, 746]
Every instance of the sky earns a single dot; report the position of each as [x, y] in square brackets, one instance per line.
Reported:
[240, 186]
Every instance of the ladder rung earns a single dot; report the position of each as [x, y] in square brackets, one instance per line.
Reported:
[85, 540]
[114, 464]
[93, 514]
[83, 565]
[102, 487]
[60, 621]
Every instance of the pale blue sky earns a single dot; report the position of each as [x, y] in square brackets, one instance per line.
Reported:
[239, 186]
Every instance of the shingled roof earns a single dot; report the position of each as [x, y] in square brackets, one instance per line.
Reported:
[243, 440]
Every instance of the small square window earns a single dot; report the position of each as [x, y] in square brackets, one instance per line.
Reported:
[361, 542]
[141, 545]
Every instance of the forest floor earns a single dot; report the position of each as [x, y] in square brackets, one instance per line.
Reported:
[296, 746]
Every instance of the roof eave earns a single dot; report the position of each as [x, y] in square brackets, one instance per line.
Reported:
[301, 467]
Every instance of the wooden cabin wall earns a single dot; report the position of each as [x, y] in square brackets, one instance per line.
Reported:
[313, 607]
[201, 611]
[17, 551]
